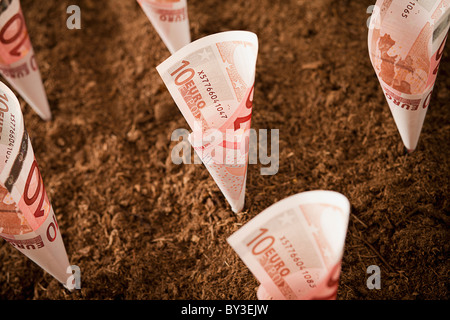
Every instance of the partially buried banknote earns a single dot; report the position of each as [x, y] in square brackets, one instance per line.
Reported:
[27, 219]
[294, 248]
[406, 42]
[211, 80]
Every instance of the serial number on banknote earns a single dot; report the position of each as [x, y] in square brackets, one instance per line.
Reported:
[408, 9]
[212, 94]
[298, 261]
[12, 138]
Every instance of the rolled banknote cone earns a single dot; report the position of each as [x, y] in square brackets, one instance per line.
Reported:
[406, 42]
[27, 220]
[294, 248]
[170, 20]
[226, 161]
[211, 81]
[17, 61]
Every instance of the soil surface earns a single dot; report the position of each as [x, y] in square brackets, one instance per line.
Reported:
[141, 227]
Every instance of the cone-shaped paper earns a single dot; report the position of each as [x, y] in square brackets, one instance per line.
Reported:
[294, 247]
[17, 61]
[226, 161]
[406, 41]
[27, 220]
[170, 20]
[211, 81]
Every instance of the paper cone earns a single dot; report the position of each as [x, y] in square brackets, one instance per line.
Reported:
[406, 41]
[170, 20]
[295, 247]
[27, 220]
[227, 163]
[212, 81]
[17, 61]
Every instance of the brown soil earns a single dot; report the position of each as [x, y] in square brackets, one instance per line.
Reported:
[140, 227]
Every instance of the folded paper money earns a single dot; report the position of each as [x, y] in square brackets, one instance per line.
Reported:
[27, 220]
[294, 247]
[406, 41]
[211, 81]
[170, 20]
[17, 60]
